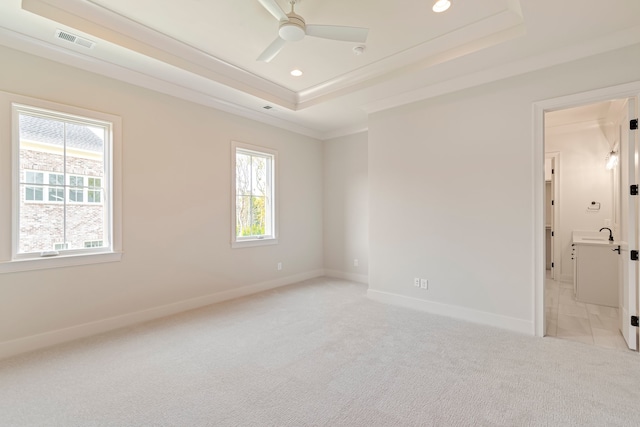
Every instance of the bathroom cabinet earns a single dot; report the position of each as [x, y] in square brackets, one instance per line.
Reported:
[596, 273]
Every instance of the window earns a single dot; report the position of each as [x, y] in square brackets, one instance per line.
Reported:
[93, 244]
[76, 189]
[66, 185]
[78, 192]
[253, 204]
[93, 192]
[33, 193]
[56, 187]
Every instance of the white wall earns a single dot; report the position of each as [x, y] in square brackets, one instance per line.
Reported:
[451, 184]
[583, 178]
[346, 207]
[176, 210]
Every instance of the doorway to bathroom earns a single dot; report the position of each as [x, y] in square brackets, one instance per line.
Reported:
[586, 285]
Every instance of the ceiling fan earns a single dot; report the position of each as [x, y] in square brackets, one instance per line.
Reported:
[294, 28]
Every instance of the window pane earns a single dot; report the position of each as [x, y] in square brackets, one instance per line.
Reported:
[34, 193]
[41, 226]
[76, 192]
[34, 177]
[243, 174]
[85, 222]
[93, 244]
[95, 190]
[259, 176]
[56, 179]
[257, 216]
[56, 194]
[243, 216]
[56, 187]
[93, 196]
[41, 143]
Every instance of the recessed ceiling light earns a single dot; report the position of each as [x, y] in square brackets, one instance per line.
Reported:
[441, 6]
[296, 73]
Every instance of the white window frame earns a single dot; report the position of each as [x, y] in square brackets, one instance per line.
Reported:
[249, 241]
[10, 260]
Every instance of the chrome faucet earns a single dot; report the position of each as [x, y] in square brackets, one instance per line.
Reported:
[610, 233]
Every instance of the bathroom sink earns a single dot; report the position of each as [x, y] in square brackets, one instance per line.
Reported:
[591, 238]
[588, 240]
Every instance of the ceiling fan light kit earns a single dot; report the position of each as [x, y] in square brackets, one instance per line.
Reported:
[294, 28]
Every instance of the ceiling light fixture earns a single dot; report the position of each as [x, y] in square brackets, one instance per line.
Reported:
[441, 6]
[612, 160]
[296, 73]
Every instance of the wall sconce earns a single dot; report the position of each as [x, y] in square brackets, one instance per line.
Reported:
[441, 5]
[612, 160]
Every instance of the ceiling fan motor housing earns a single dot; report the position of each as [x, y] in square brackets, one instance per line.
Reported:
[292, 30]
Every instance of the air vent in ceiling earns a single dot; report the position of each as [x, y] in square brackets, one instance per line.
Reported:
[72, 38]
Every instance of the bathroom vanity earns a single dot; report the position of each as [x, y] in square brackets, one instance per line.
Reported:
[595, 269]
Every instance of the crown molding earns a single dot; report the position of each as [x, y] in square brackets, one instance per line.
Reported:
[346, 131]
[30, 45]
[97, 21]
[487, 32]
[618, 40]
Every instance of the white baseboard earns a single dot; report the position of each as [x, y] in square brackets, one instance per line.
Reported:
[46, 339]
[457, 312]
[360, 278]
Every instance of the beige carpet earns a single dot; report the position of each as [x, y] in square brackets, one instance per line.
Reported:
[319, 354]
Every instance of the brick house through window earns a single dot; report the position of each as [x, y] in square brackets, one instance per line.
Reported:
[61, 183]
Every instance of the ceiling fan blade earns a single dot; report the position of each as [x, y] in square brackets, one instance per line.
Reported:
[272, 50]
[274, 9]
[334, 32]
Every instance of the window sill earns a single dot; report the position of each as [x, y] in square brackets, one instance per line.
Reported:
[58, 262]
[252, 243]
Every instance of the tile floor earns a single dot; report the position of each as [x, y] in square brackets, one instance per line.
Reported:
[587, 323]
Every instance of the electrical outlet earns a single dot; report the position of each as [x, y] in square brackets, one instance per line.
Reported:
[279, 266]
[416, 282]
[355, 262]
[424, 283]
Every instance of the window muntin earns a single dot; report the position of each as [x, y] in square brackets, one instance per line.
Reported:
[254, 195]
[62, 153]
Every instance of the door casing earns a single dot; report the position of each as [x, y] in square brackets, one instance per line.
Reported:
[629, 90]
